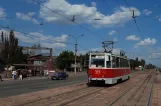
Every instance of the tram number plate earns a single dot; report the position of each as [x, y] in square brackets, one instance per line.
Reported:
[97, 71]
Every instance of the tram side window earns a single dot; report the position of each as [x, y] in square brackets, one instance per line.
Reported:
[124, 63]
[117, 62]
[113, 62]
[127, 63]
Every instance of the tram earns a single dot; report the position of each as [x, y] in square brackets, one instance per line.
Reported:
[108, 68]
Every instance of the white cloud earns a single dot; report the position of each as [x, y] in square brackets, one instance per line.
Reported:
[97, 49]
[132, 37]
[2, 13]
[159, 17]
[84, 14]
[93, 4]
[115, 39]
[147, 12]
[58, 43]
[54, 45]
[45, 40]
[112, 32]
[146, 42]
[155, 55]
[27, 17]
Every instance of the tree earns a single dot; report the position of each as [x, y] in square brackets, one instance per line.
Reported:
[85, 60]
[11, 52]
[136, 63]
[142, 62]
[2, 37]
[63, 59]
[150, 66]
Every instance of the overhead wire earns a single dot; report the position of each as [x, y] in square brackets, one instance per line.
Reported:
[7, 27]
[138, 28]
[68, 19]
[30, 34]
[68, 43]
[83, 47]
[133, 18]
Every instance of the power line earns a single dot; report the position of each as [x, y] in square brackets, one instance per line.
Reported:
[82, 47]
[68, 43]
[133, 17]
[68, 19]
[138, 28]
[30, 34]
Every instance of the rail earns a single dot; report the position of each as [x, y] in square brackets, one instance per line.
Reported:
[151, 93]
[147, 79]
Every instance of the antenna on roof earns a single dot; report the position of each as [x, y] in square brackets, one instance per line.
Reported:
[108, 46]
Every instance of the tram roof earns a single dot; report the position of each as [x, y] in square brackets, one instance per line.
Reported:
[103, 53]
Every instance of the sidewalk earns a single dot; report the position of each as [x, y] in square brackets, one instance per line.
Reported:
[28, 78]
[71, 74]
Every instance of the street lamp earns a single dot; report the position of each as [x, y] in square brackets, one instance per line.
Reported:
[76, 39]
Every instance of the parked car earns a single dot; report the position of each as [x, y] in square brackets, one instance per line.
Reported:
[59, 75]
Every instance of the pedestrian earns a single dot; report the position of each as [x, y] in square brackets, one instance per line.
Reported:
[14, 74]
[20, 76]
[47, 74]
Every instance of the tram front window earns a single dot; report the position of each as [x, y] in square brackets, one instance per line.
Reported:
[97, 62]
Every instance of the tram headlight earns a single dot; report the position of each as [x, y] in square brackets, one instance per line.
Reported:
[103, 76]
[90, 76]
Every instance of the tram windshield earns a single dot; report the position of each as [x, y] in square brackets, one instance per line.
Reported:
[97, 62]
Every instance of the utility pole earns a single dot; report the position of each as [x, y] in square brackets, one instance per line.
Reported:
[75, 69]
[75, 66]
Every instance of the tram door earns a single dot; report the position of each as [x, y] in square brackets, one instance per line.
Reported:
[108, 61]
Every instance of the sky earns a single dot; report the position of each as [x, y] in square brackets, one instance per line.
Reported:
[49, 23]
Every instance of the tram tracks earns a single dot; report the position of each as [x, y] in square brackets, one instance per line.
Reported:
[66, 93]
[76, 87]
[61, 100]
[134, 95]
[84, 96]
[90, 98]
[68, 97]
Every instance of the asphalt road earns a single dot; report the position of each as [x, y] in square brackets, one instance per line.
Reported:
[12, 88]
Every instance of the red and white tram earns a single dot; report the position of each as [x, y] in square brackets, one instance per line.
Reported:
[108, 68]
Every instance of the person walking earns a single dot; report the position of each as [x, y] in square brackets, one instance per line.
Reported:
[14, 74]
[47, 74]
[20, 76]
